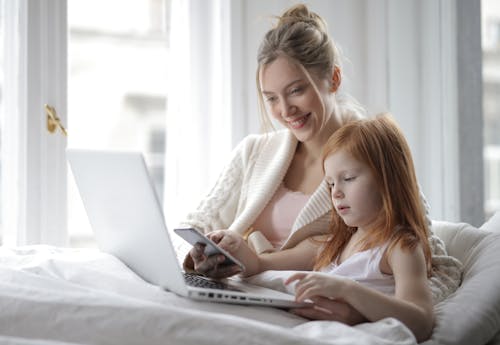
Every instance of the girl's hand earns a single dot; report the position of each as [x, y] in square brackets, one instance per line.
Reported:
[228, 240]
[315, 284]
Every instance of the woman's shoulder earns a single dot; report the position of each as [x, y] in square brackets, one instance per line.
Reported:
[269, 140]
[278, 135]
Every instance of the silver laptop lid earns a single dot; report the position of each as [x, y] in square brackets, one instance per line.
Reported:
[125, 214]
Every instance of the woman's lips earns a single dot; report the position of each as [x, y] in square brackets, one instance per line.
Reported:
[299, 122]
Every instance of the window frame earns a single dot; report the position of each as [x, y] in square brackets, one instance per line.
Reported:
[34, 164]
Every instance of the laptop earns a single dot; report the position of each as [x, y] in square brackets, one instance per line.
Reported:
[128, 222]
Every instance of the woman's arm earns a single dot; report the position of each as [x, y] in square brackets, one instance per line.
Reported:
[411, 304]
[218, 209]
[328, 309]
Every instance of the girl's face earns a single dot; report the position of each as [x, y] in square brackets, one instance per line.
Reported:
[354, 190]
[292, 100]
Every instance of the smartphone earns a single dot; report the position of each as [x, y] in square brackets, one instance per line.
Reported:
[193, 236]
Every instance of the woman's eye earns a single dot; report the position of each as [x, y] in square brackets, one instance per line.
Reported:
[295, 90]
[271, 99]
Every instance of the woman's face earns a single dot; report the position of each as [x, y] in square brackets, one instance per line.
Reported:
[292, 100]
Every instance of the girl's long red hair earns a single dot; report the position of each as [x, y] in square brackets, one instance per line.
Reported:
[380, 144]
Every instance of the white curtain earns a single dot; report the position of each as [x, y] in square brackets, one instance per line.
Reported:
[198, 116]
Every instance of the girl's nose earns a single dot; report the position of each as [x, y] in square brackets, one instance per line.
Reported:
[337, 193]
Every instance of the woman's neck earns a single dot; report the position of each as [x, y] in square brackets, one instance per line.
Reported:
[313, 148]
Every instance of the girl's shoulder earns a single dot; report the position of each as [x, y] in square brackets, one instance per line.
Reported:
[407, 259]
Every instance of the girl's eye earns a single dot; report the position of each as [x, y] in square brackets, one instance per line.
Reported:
[295, 90]
[352, 178]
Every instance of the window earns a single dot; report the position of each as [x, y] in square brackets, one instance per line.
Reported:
[491, 103]
[112, 96]
[116, 88]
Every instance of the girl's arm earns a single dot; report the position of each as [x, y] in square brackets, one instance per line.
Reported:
[411, 304]
[300, 257]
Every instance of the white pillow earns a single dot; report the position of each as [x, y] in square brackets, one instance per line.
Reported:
[492, 224]
[471, 315]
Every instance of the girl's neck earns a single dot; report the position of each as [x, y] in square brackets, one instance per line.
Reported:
[363, 236]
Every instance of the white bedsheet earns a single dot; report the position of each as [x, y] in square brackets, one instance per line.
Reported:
[54, 295]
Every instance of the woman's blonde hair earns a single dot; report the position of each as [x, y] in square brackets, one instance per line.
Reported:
[302, 37]
[380, 144]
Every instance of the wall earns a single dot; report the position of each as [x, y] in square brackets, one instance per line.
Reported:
[399, 56]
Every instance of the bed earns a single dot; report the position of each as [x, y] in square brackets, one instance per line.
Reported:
[51, 295]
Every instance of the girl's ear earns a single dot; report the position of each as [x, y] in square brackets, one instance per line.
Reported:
[336, 79]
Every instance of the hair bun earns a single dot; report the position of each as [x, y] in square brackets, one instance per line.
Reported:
[301, 14]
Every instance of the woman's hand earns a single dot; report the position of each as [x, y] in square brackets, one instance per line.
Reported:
[228, 240]
[332, 310]
[210, 266]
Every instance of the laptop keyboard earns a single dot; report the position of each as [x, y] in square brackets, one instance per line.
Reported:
[203, 282]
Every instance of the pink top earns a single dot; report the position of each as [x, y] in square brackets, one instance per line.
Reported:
[277, 218]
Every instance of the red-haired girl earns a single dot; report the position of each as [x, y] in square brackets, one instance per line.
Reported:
[377, 256]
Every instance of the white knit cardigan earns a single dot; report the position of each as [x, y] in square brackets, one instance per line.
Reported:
[256, 170]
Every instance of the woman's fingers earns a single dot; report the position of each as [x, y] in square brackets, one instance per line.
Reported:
[225, 271]
[210, 266]
[226, 239]
[329, 309]
[197, 252]
[314, 313]
[216, 235]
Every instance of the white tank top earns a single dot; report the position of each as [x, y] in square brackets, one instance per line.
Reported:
[364, 267]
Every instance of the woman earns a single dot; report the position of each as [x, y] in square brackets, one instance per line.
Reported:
[272, 191]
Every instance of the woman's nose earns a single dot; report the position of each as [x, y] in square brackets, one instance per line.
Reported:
[288, 109]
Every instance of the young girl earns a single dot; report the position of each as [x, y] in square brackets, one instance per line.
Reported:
[377, 256]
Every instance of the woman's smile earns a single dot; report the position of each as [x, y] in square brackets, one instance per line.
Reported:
[298, 122]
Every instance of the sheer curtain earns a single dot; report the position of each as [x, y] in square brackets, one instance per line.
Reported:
[199, 102]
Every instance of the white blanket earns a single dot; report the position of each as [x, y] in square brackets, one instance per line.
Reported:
[54, 295]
